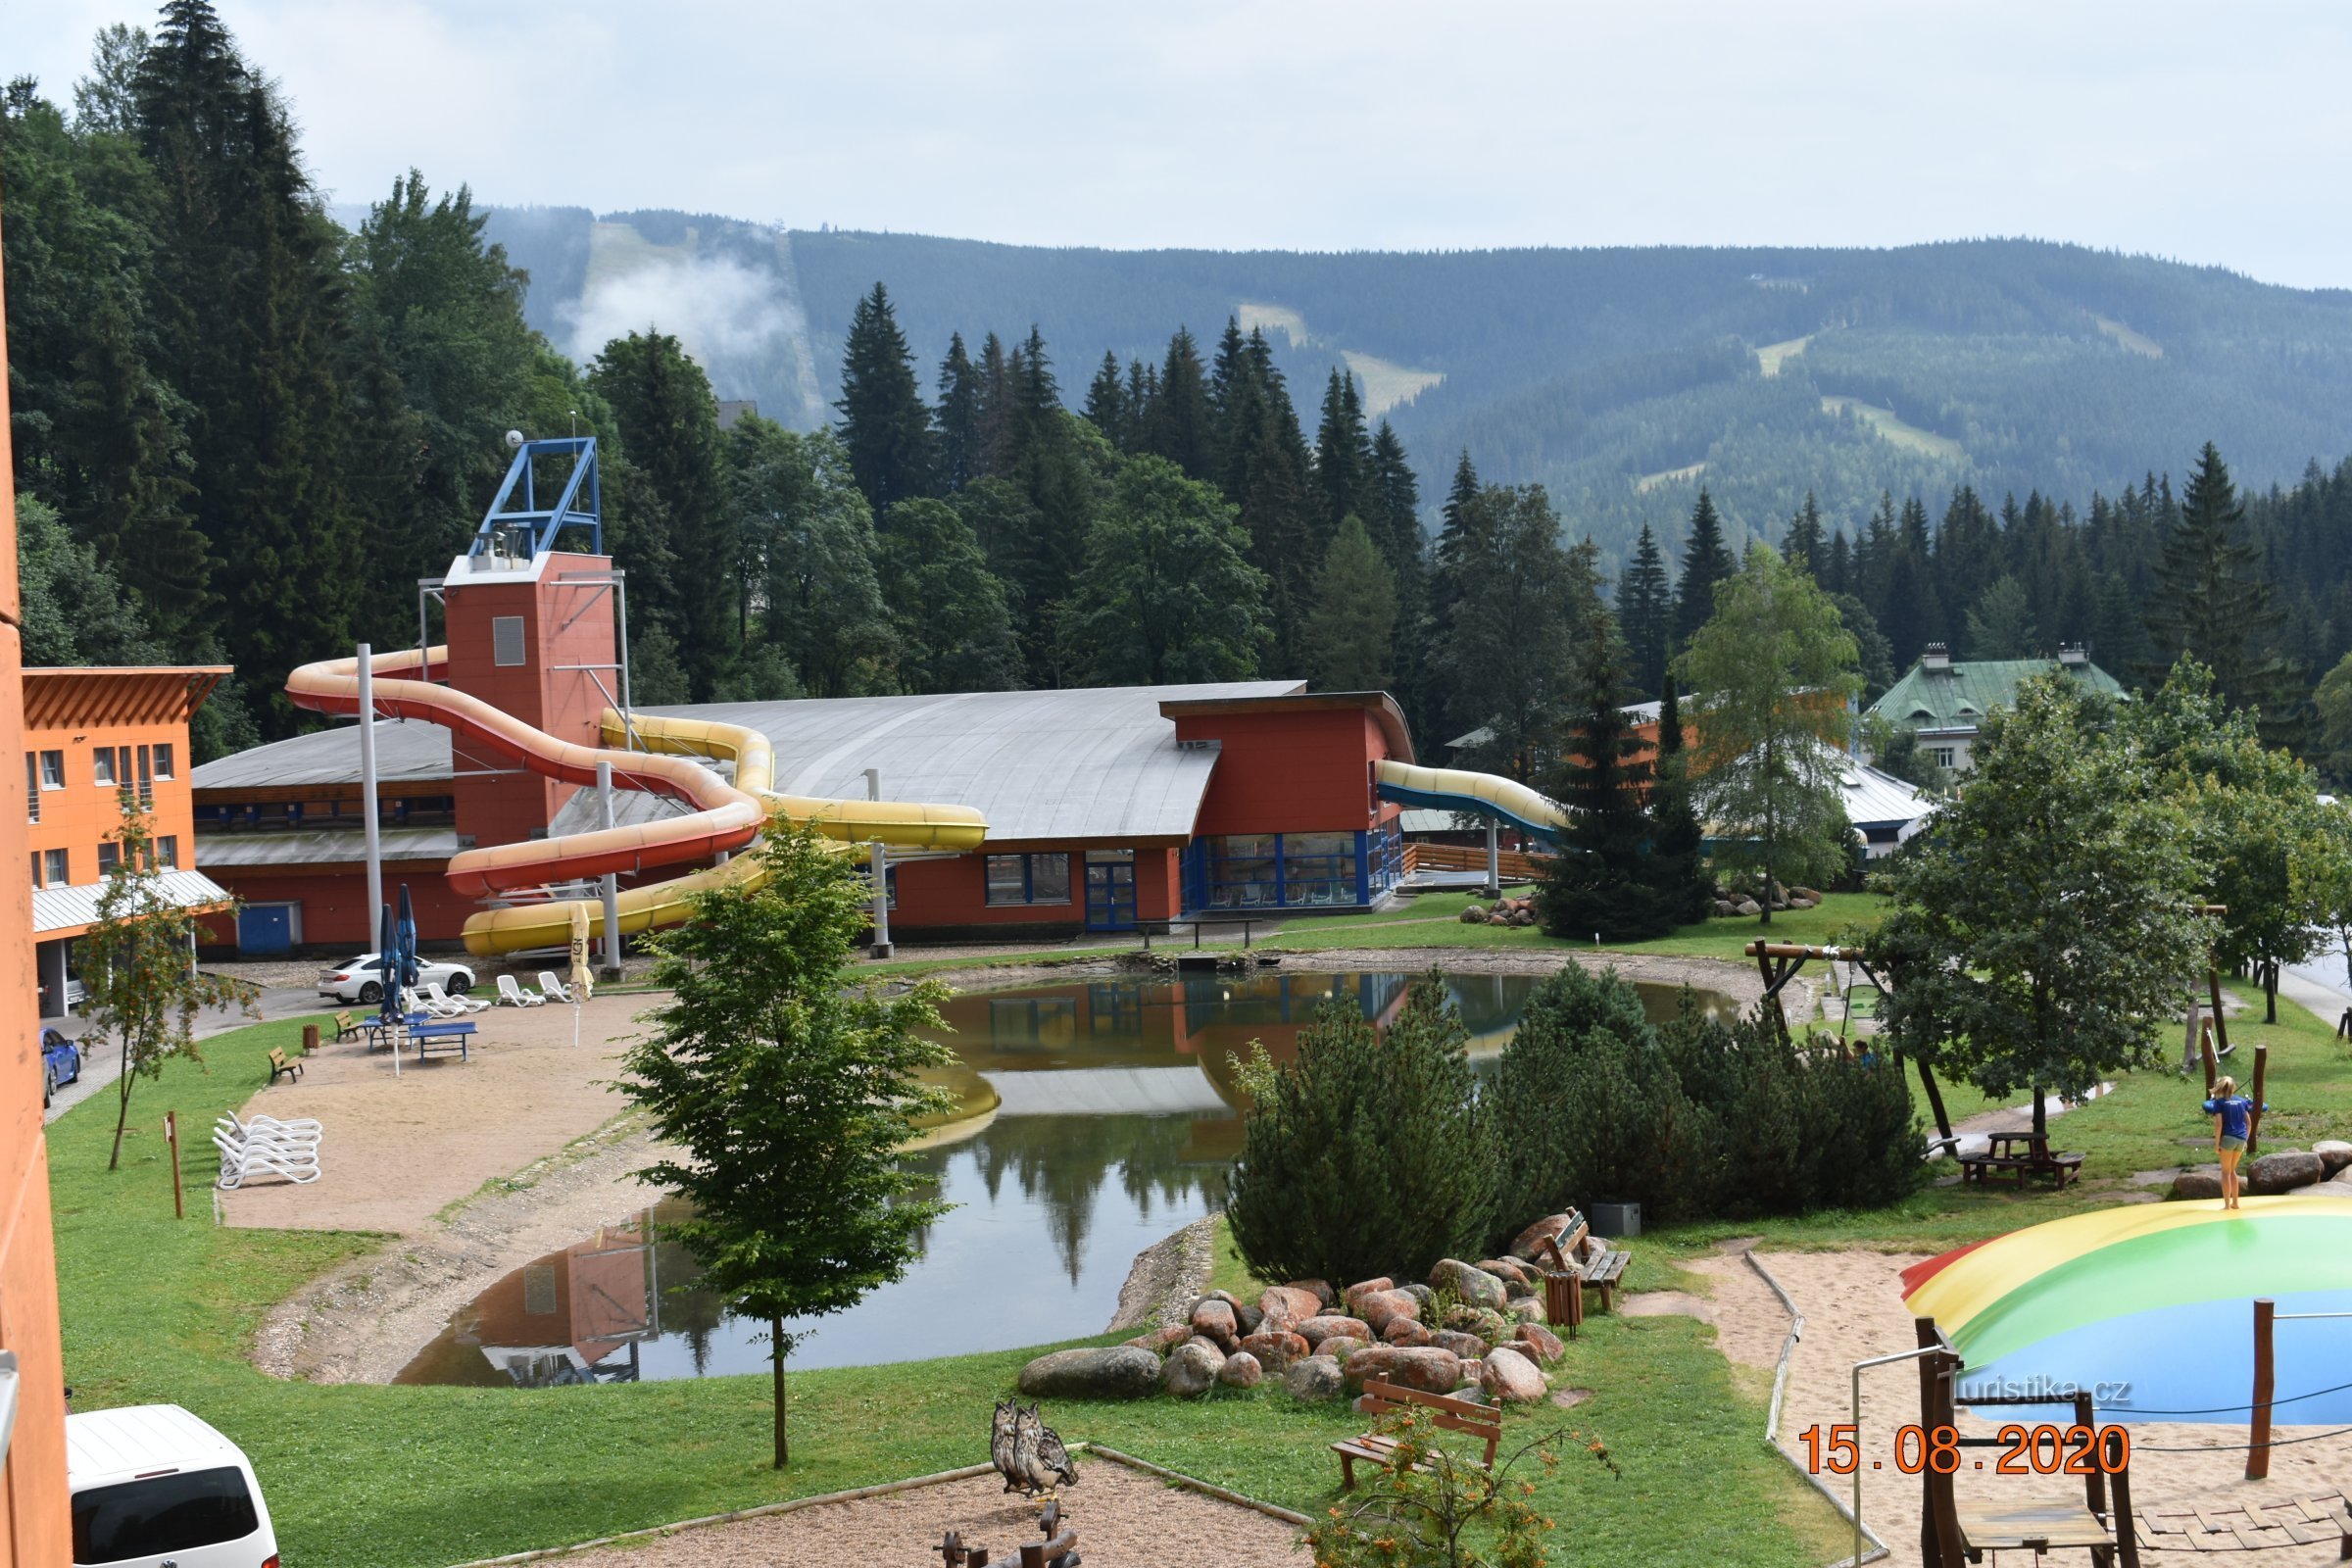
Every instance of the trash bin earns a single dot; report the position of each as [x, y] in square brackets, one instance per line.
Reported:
[1615, 1221]
[1563, 1299]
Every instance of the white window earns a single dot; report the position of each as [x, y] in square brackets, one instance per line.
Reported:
[55, 874]
[53, 770]
[167, 851]
[1942, 755]
[110, 855]
[103, 763]
[163, 762]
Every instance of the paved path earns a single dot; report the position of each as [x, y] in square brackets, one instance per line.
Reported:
[102, 1065]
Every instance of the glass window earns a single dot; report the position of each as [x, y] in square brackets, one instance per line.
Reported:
[1241, 871]
[163, 762]
[1318, 868]
[1007, 879]
[167, 851]
[57, 876]
[1049, 879]
[53, 770]
[103, 763]
[183, 1512]
[32, 790]
[110, 855]
[37, 869]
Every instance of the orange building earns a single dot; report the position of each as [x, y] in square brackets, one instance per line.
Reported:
[91, 735]
[36, 1531]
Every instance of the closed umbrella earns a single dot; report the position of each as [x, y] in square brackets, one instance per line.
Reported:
[583, 979]
[408, 937]
[387, 964]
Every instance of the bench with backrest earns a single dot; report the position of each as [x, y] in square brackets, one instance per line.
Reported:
[1482, 1421]
[281, 1067]
[346, 1027]
[1577, 1250]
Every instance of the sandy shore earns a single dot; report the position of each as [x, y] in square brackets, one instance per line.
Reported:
[1853, 1309]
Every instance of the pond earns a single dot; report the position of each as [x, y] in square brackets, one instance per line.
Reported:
[1116, 1122]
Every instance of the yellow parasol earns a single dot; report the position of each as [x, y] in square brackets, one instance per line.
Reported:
[583, 978]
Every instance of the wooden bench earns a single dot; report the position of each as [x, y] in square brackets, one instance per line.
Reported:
[280, 1067]
[1577, 1250]
[1483, 1422]
[426, 1034]
[346, 1027]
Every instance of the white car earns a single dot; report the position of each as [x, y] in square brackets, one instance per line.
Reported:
[362, 979]
[153, 1484]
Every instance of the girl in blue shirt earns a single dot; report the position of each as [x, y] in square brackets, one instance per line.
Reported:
[2232, 1114]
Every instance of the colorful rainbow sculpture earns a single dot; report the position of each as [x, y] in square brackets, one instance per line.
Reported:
[2150, 1308]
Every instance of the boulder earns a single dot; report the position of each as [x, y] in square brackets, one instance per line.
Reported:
[1492, 1327]
[1472, 914]
[1380, 1308]
[1802, 903]
[1315, 1330]
[1423, 1367]
[1469, 1347]
[1528, 1248]
[1475, 1286]
[1325, 1296]
[1747, 906]
[1526, 1309]
[2284, 1171]
[1276, 1349]
[1814, 894]
[1724, 908]
[1174, 1334]
[1118, 1372]
[1424, 1297]
[1537, 1342]
[1144, 1342]
[2335, 1154]
[1214, 1318]
[1356, 1293]
[1192, 1369]
[1315, 1378]
[1511, 1377]
[1407, 1330]
[2192, 1185]
[1248, 1319]
[1509, 1270]
[1340, 1347]
[1241, 1371]
[1286, 1305]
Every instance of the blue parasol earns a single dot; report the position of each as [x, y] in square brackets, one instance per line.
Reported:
[408, 939]
[387, 953]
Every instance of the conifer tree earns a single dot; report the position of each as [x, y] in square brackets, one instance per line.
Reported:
[1645, 613]
[1706, 561]
[1182, 427]
[1678, 842]
[1143, 390]
[1107, 402]
[1806, 548]
[1351, 622]
[1458, 516]
[883, 422]
[958, 418]
[1598, 887]
[2215, 605]
[955, 633]
[1342, 452]
[993, 424]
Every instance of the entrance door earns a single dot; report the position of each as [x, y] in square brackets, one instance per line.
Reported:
[265, 929]
[1110, 896]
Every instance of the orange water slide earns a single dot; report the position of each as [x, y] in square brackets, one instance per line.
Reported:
[725, 816]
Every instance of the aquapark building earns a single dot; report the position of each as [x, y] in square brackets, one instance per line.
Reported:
[1037, 814]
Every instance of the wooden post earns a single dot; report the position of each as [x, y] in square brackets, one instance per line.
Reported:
[2212, 1067]
[2126, 1528]
[310, 1040]
[1939, 1514]
[2094, 1485]
[2258, 1452]
[2221, 1021]
[2262, 1059]
[179, 1208]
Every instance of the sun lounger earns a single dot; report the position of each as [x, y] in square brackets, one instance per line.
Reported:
[512, 995]
[463, 1004]
[552, 988]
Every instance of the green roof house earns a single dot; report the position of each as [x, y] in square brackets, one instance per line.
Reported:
[1945, 699]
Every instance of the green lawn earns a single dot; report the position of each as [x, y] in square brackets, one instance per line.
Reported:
[1434, 920]
[387, 1477]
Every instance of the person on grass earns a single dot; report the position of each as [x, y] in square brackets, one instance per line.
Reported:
[2233, 1115]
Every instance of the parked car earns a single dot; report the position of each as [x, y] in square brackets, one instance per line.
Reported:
[153, 1484]
[60, 1064]
[362, 979]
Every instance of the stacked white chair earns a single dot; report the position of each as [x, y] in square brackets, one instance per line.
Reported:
[512, 993]
[266, 1144]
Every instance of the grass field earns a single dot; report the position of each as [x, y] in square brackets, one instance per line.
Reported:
[1892, 428]
[2138, 342]
[158, 1309]
[1770, 356]
[1647, 482]
[1434, 920]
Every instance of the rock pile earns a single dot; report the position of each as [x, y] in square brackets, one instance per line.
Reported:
[2287, 1170]
[1474, 1328]
[1731, 900]
[1504, 911]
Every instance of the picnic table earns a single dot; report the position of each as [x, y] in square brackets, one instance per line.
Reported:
[445, 1032]
[2019, 1155]
[379, 1029]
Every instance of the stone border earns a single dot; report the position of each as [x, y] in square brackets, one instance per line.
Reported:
[1772, 1421]
[1092, 1450]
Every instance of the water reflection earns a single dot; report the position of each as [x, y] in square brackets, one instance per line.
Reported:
[1117, 1124]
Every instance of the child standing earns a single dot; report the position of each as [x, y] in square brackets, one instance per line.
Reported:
[2232, 1114]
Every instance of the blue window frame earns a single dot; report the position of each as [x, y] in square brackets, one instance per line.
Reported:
[1041, 878]
[1291, 870]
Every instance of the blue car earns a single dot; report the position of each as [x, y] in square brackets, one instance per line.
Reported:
[60, 1064]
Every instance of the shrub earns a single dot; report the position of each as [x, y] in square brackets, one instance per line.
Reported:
[1369, 1153]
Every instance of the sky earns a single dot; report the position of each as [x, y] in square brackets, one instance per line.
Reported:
[2213, 134]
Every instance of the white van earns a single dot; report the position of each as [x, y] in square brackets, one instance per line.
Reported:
[153, 1487]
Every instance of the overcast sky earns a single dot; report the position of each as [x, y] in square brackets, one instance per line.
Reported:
[2213, 133]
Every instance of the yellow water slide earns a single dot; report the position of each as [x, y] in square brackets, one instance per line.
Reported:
[1454, 789]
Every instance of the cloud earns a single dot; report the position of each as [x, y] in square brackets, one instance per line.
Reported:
[729, 315]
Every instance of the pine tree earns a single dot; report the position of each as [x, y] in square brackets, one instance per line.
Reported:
[1677, 841]
[1342, 452]
[958, 418]
[1351, 620]
[1706, 561]
[1107, 402]
[1597, 886]
[2214, 605]
[993, 423]
[883, 420]
[1644, 612]
[1804, 546]
[1182, 426]
[1143, 390]
[1455, 519]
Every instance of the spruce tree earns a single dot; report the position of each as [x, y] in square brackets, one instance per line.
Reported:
[1805, 546]
[958, 418]
[993, 420]
[1678, 843]
[1143, 390]
[1458, 516]
[1597, 886]
[1342, 452]
[1107, 402]
[1182, 427]
[883, 420]
[1706, 561]
[2214, 605]
[1351, 620]
[1646, 611]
